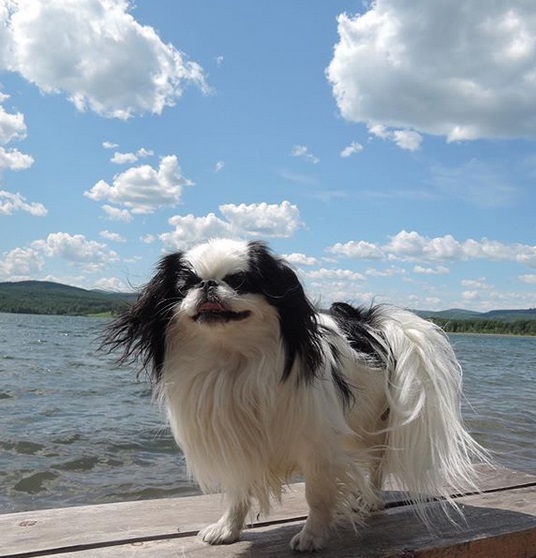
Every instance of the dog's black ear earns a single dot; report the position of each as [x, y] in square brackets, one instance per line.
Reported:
[280, 285]
[140, 331]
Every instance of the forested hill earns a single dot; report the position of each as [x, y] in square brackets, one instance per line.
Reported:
[510, 322]
[45, 297]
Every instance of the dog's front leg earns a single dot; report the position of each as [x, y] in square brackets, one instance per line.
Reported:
[321, 496]
[227, 529]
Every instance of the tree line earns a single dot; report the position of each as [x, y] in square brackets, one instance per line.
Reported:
[515, 327]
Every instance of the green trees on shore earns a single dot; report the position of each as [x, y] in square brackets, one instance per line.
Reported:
[515, 327]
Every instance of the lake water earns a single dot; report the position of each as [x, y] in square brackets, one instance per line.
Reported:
[77, 429]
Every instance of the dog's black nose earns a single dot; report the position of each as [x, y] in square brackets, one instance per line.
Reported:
[208, 284]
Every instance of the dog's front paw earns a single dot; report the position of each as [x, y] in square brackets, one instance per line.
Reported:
[219, 533]
[305, 541]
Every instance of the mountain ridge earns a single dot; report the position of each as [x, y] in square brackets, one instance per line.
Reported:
[49, 297]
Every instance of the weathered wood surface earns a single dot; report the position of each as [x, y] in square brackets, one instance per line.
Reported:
[499, 523]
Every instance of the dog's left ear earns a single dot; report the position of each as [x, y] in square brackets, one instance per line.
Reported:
[140, 331]
[297, 316]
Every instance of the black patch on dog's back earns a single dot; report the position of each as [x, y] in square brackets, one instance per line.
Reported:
[362, 327]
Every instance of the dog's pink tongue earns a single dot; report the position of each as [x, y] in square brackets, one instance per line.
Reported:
[211, 307]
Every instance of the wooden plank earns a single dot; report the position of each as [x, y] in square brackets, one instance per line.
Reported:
[85, 525]
[153, 521]
[489, 532]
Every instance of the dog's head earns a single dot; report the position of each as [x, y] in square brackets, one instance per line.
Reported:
[220, 288]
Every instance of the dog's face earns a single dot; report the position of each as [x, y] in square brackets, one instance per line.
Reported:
[219, 285]
[225, 288]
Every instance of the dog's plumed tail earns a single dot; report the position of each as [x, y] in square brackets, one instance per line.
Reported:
[428, 450]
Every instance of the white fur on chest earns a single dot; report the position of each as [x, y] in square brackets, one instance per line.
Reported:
[231, 415]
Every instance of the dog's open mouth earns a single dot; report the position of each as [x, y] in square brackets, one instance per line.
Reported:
[211, 312]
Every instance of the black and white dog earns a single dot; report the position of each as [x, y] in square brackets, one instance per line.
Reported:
[259, 385]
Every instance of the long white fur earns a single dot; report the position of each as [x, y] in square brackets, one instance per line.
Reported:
[246, 433]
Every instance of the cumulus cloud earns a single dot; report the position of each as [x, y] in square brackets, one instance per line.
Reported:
[13, 159]
[219, 166]
[114, 237]
[297, 258]
[21, 263]
[437, 270]
[405, 139]
[463, 70]
[112, 284]
[10, 202]
[303, 152]
[116, 214]
[12, 128]
[143, 189]
[263, 219]
[529, 278]
[190, 230]
[257, 219]
[335, 275]
[124, 158]
[75, 249]
[351, 149]
[413, 247]
[99, 41]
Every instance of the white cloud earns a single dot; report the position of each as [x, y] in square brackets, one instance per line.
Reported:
[413, 247]
[21, 263]
[190, 230]
[528, 278]
[405, 139]
[12, 128]
[9, 203]
[262, 219]
[109, 145]
[437, 270]
[99, 41]
[111, 284]
[303, 152]
[114, 237]
[464, 70]
[116, 214]
[219, 166]
[75, 249]
[387, 272]
[257, 219]
[335, 275]
[13, 159]
[351, 149]
[298, 258]
[143, 189]
[124, 158]
[359, 249]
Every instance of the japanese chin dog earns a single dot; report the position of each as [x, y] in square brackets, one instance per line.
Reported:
[259, 386]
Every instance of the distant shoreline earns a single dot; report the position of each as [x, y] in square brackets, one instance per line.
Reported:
[515, 328]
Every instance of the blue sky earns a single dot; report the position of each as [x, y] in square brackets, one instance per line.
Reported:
[385, 148]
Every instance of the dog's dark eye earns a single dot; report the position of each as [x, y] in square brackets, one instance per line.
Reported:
[236, 281]
[187, 280]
